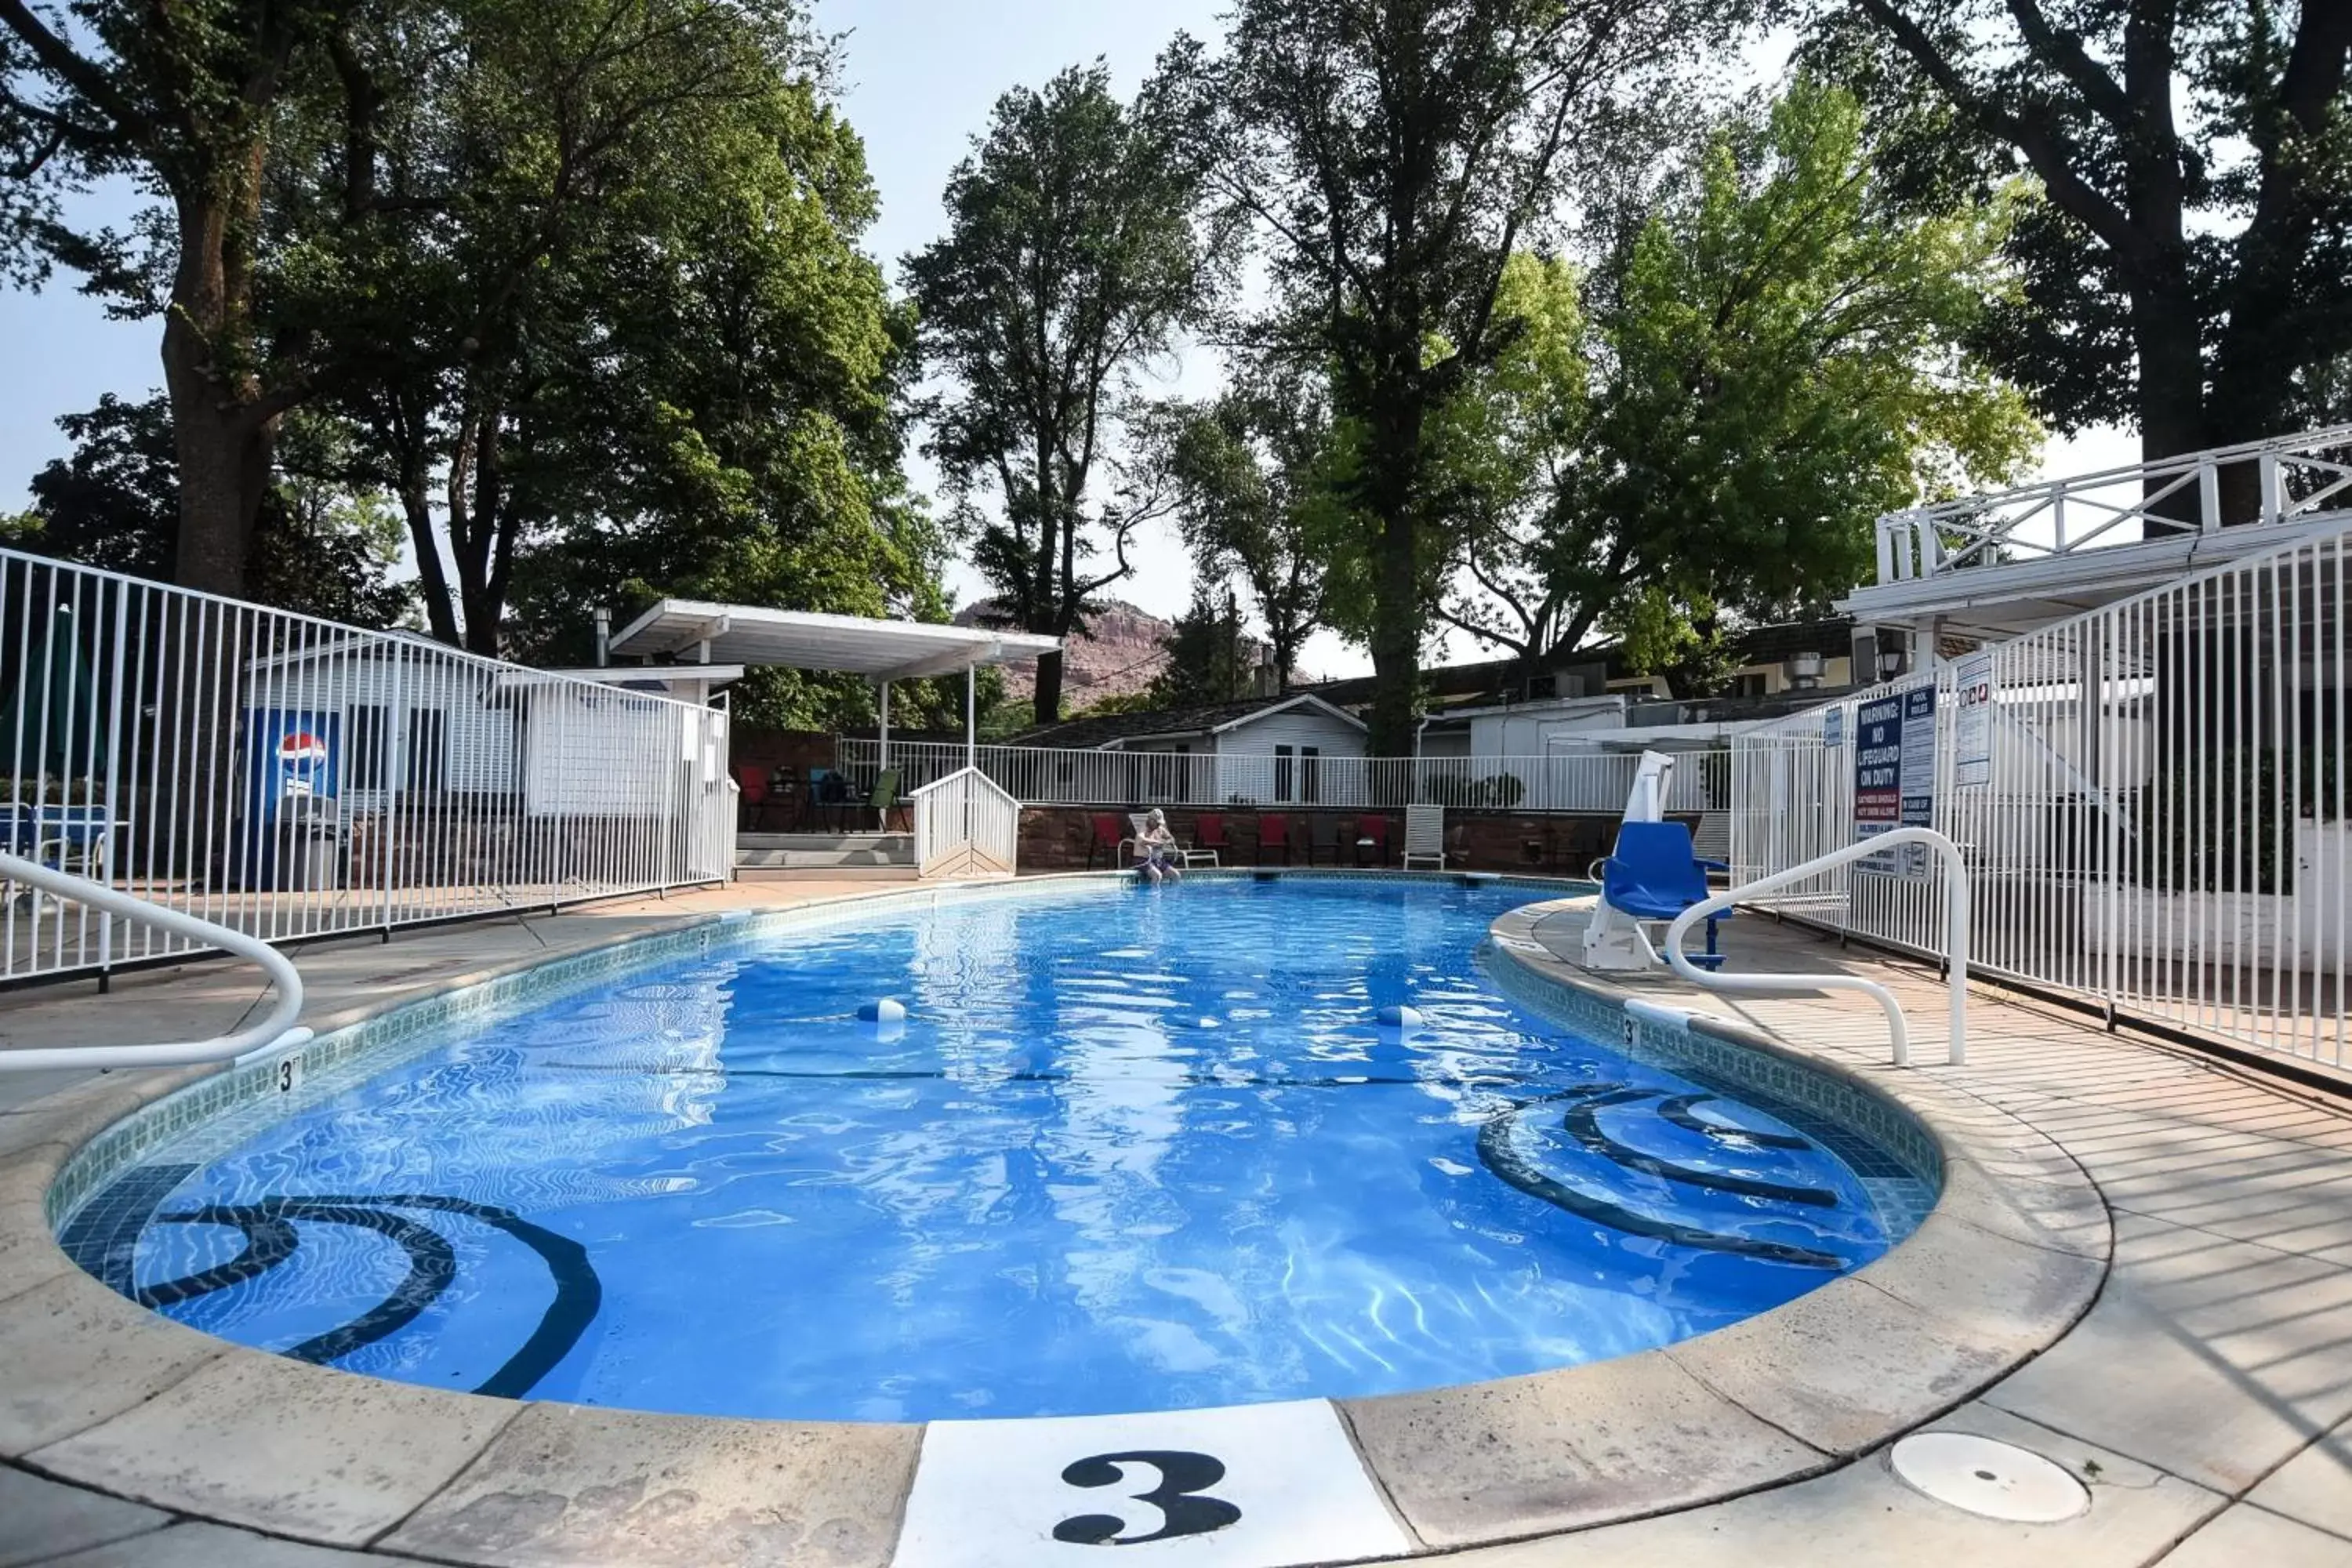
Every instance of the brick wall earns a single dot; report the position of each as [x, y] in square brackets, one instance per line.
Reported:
[1054, 838]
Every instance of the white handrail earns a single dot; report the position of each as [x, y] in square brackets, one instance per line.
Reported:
[1956, 915]
[276, 1029]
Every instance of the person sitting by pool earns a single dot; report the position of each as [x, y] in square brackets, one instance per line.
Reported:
[1155, 849]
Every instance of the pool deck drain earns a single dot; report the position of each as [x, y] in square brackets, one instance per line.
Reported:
[2201, 1397]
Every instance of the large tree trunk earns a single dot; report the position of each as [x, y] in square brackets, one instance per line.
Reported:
[1045, 704]
[1396, 581]
[2170, 394]
[224, 450]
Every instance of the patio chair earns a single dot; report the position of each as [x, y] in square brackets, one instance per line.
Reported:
[1197, 853]
[1323, 838]
[1653, 876]
[826, 788]
[752, 780]
[1373, 834]
[1273, 833]
[1107, 840]
[1209, 839]
[1424, 835]
[885, 798]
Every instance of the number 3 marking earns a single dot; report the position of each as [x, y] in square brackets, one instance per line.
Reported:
[1177, 1499]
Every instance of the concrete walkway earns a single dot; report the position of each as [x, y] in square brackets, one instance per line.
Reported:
[2206, 1397]
[344, 976]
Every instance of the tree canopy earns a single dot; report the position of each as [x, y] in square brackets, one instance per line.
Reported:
[1251, 481]
[1391, 158]
[1071, 259]
[1706, 427]
[2186, 247]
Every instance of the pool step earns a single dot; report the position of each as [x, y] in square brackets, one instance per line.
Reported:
[823, 851]
[905, 873]
[824, 856]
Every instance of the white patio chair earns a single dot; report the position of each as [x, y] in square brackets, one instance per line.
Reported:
[1424, 835]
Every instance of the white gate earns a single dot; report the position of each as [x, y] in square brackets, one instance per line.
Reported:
[965, 826]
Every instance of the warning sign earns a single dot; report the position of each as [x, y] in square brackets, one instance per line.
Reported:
[1895, 775]
[1972, 720]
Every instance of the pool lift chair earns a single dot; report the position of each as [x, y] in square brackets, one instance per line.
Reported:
[1652, 876]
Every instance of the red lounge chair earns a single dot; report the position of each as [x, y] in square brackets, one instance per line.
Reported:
[752, 780]
[1209, 834]
[1107, 839]
[1273, 833]
[1372, 838]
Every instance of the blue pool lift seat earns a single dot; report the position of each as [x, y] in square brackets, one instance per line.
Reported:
[1655, 875]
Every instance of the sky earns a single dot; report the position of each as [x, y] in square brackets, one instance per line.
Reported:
[918, 79]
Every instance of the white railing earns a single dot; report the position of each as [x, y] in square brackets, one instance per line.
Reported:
[966, 826]
[274, 1031]
[2283, 479]
[2152, 810]
[289, 777]
[1956, 939]
[1593, 782]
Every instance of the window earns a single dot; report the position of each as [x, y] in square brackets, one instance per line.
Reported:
[364, 761]
[1542, 686]
[427, 751]
[1750, 685]
[1311, 773]
[1285, 762]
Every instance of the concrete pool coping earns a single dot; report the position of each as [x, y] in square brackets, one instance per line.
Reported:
[108, 1396]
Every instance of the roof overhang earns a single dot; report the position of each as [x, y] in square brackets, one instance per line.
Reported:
[804, 639]
[1303, 699]
[2017, 596]
[664, 679]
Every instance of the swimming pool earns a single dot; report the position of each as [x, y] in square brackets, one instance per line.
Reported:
[1132, 1149]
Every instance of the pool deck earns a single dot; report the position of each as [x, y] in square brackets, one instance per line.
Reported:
[2205, 1395]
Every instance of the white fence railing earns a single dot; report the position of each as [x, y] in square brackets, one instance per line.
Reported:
[2283, 479]
[287, 777]
[966, 826]
[1565, 782]
[2150, 798]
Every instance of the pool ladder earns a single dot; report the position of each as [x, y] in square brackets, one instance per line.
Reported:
[1956, 938]
[275, 1031]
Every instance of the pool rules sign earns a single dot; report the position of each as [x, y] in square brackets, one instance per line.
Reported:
[1895, 775]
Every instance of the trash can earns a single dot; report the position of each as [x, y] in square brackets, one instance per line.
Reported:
[308, 841]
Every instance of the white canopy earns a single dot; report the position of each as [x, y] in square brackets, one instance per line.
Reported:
[802, 639]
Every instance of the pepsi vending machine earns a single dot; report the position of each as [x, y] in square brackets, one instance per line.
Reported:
[293, 771]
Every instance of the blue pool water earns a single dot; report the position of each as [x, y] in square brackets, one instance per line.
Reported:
[1135, 1149]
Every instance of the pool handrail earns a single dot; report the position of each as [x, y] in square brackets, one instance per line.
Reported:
[1956, 938]
[275, 1031]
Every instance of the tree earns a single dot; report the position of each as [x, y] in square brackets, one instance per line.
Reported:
[1209, 658]
[638, 271]
[1249, 476]
[321, 547]
[1071, 259]
[186, 99]
[1768, 365]
[2188, 254]
[1393, 155]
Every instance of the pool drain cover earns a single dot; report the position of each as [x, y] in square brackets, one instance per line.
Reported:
[1997, 1481]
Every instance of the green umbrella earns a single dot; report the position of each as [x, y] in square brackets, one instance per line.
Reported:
[59, 733]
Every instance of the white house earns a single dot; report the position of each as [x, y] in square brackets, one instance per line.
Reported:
[1294, 749]
[368, 719]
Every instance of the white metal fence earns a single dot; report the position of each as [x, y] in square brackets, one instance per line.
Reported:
[2286, 480]
[1565, 782]
[2154, 813]
[289, 777]
[965, 826]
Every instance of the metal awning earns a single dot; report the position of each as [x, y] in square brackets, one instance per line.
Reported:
[804, 639]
